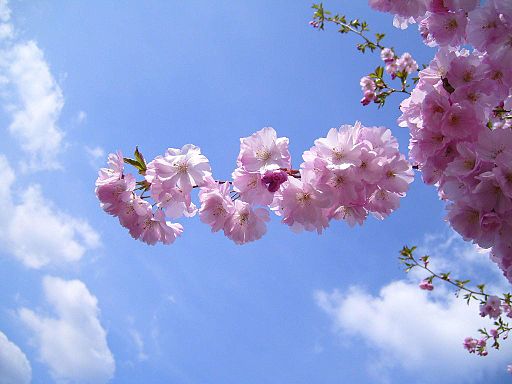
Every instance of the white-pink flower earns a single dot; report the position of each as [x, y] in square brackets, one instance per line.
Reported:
[251, 187]
[184, 168]
[302, 206]
[263, 150]
[216, 205]
[245, 224]
[155, 229]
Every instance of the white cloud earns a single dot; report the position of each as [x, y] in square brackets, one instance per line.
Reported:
[14, 366]
[35, 231]
[38, 106]
[139, 344]
[73, 344]
[33, 97]
[412, 330]
[96, 156]
[38, 234]
[81, 117]
[6, 29]
[416, 331]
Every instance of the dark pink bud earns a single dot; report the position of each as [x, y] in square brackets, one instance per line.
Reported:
[274, 179]
[426, 285]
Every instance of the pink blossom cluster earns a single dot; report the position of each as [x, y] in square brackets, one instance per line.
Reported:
[477, 346]
[395, 66]
[352, 172]
[460, 122]
[168, 178]
[368, 87]
[445, 14]
[262, 164]
[491, 307]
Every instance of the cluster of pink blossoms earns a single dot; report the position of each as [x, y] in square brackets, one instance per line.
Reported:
[169, 178]
[395, 66]
[460, 120]
[440, 12]
[492, 307]
[352, 172]
[478, 346]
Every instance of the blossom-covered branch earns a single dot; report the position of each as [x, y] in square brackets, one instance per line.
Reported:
[353, 172]
[490, 305]
[374, 86]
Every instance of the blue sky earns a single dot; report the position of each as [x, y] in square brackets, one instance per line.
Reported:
[81, 302]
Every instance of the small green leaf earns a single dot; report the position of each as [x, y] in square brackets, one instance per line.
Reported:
[140, 159]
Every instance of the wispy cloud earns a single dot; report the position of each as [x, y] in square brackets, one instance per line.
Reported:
[32, 97]
[96, 156]
[81, 117]
[73, 344]
[139, 344]
[14, 366]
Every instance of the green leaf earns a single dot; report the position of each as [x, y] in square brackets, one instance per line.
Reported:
[140, 159]
[133, 162]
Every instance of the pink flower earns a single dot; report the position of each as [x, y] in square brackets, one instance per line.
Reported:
[397, 174]
[263, 150]
[466, 68]
[486, 31]
[173, 200]
[406, 63]
[351, 214]
[465, 220]
[405, 8]
[183, 168]
[216, 205]
[155, 229]
[251, 187]
[274, 179]
[368, 97]
[367, 84]
[116, 192]
[339, 148]
[345, 188]
[133, 214]
[444, 28]
[370, 169]
[391, 67]
[245, 224]
[459, 122]
[492, 144]
[383, 202]
[470, 344]
[302, 206]
[507, 309]
[426, 285]
[387, 55]
[503, 174]
[466, 164]
[491, 307]
[108, 175]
